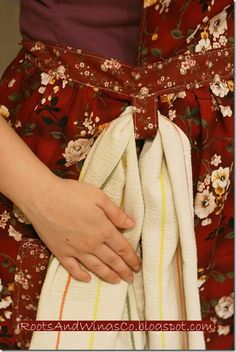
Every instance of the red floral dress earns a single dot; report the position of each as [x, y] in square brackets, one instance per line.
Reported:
[59, 119]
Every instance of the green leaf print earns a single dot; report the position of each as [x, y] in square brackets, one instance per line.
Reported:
[156, 52]
[63, 121]
[176, 34]
[56, 134]
[54, 101]
[49, 121]
[229, 147]
[14, 97]
[5, 263]
[229, 275]
[204, 123]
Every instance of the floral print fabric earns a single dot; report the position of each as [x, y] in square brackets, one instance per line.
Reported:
[59, 118]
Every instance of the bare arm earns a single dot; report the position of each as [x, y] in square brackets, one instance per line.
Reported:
[76, 221]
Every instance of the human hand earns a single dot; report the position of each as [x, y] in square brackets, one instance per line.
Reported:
[79, 224]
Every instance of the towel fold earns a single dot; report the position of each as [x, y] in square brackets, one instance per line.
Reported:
[156, 190]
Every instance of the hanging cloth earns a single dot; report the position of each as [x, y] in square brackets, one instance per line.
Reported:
[156, 190]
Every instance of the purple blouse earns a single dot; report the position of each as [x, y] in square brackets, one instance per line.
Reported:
[108, 28]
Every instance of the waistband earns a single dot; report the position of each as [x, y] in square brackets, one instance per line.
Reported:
[140, 84]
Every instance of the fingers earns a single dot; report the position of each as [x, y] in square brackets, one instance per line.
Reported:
[115, 262]
[74, 268]
[95, 265]
[116, 215]
[123, 248]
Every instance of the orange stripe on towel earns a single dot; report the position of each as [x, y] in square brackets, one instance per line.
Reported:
[62, 307]
[181, 293]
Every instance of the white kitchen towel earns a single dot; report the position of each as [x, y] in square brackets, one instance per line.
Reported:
[156, 190]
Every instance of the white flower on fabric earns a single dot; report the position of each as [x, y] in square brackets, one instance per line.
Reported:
[11, 83]
[200, 186]
[225, 307]
[204, 204]
[110, 64]
[5, 302]
[56, 89]
[45, 78]
[163, 6]
[15, 234]
[203, 46]
[41, 90]
[1, 286]
[223, 329]
[216, 45]
[218, 24]
[20, 216]
[206, 222]
[61, 71]
[181, 95]
[8, 314]
[4, 111]
[216, 160]
[4, 217]
[144, 91]
[218, 87]
[223, 40]
[38, 46]
[226, 111]
[172, 114]
[220, 177]
[207, 180]
[77, 150]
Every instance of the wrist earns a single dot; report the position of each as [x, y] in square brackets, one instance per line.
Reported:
[38, 194]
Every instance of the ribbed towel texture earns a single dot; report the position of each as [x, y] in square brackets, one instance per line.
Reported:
[156, 190]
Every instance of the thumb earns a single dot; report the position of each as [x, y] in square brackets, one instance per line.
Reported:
[116, 215]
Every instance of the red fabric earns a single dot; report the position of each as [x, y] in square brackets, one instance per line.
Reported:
[49, 112]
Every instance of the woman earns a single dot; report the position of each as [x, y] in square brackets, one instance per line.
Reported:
[58, 120]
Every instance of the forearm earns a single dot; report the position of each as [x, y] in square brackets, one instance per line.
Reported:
[22, 175]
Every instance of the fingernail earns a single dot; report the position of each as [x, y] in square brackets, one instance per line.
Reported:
[130, 222]
[116, 280]
[87, 279]
[129, 279]
[137, 267]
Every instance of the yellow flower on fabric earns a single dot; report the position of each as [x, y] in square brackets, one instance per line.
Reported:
[4, 111]
[165, 99]
[231, 85]
[220, 191]
[155, 36]
[204, 35]
[10, 286]
[148, 3]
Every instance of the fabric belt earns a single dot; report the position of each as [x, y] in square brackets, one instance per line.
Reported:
[141, 85]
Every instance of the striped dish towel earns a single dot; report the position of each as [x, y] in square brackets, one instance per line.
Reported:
[156, 190]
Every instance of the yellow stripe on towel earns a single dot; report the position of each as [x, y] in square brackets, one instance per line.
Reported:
[95, 313]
